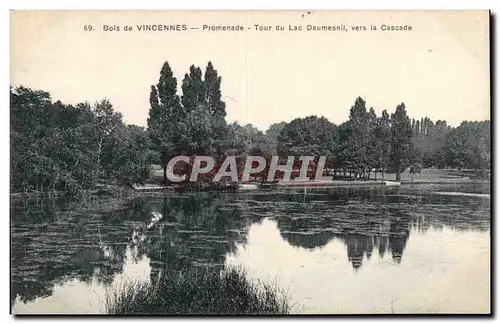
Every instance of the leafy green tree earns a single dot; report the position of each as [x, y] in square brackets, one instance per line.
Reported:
[416, 130]
[105, 123]
[381, 136]
[51, 143]
[468, 146]
[212, 83]
[372, 150]
[217, 108]
[343, 157]
[401, 144]
[198, 127]
[165, 117]
[310, 136]
[198, 136]
[358, 138]
[243, 140]
[68, 148]
[428, 143]
[26, 124]
[270, 143]
[435, 156]
[193, 89]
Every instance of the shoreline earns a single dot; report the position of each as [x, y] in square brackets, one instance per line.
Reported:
[138, 190]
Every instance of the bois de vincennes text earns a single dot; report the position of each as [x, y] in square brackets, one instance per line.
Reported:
[254, 28]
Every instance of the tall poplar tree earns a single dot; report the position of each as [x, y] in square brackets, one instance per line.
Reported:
[193, 89]
[401, 141]
[217, 109]
[213, 93]
[382, 135]
[165, 113]
[358, 136]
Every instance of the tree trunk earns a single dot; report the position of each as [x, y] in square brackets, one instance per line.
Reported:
[398, 175]
[165, 175]
[375, 173]
[383, 174]
[99, 149]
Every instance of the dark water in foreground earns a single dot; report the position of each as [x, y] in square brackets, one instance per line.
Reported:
[341, 250]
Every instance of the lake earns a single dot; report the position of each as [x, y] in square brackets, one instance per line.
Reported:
[421, 249]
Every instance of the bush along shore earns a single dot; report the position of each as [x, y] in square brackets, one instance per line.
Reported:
[198, 291]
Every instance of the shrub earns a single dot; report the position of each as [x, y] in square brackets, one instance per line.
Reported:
[199, 291]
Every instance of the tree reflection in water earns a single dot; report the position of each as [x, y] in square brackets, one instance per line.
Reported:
[51, 245]
[53, 242]
[373, 219]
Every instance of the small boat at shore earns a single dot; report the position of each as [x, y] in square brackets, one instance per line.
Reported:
[247, 186]
[206, 187]
[392, 183]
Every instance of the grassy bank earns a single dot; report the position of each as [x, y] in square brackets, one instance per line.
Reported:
[199, 291]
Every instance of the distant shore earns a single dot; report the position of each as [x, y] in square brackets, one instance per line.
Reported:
[426, 178]
[360, 183]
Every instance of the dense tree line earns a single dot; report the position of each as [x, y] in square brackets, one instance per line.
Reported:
[465, 147]
[74, 147]
[64, 147]
[388, 143]
[364, 144]
[360, 145]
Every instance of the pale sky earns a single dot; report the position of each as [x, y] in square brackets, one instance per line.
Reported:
[439, 69]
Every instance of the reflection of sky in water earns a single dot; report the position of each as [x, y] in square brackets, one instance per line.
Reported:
[346, 250]
[79, 297]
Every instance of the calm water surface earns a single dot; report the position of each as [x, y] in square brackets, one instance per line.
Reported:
[342, 250]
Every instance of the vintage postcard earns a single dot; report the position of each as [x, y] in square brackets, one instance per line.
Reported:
[250, 162]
